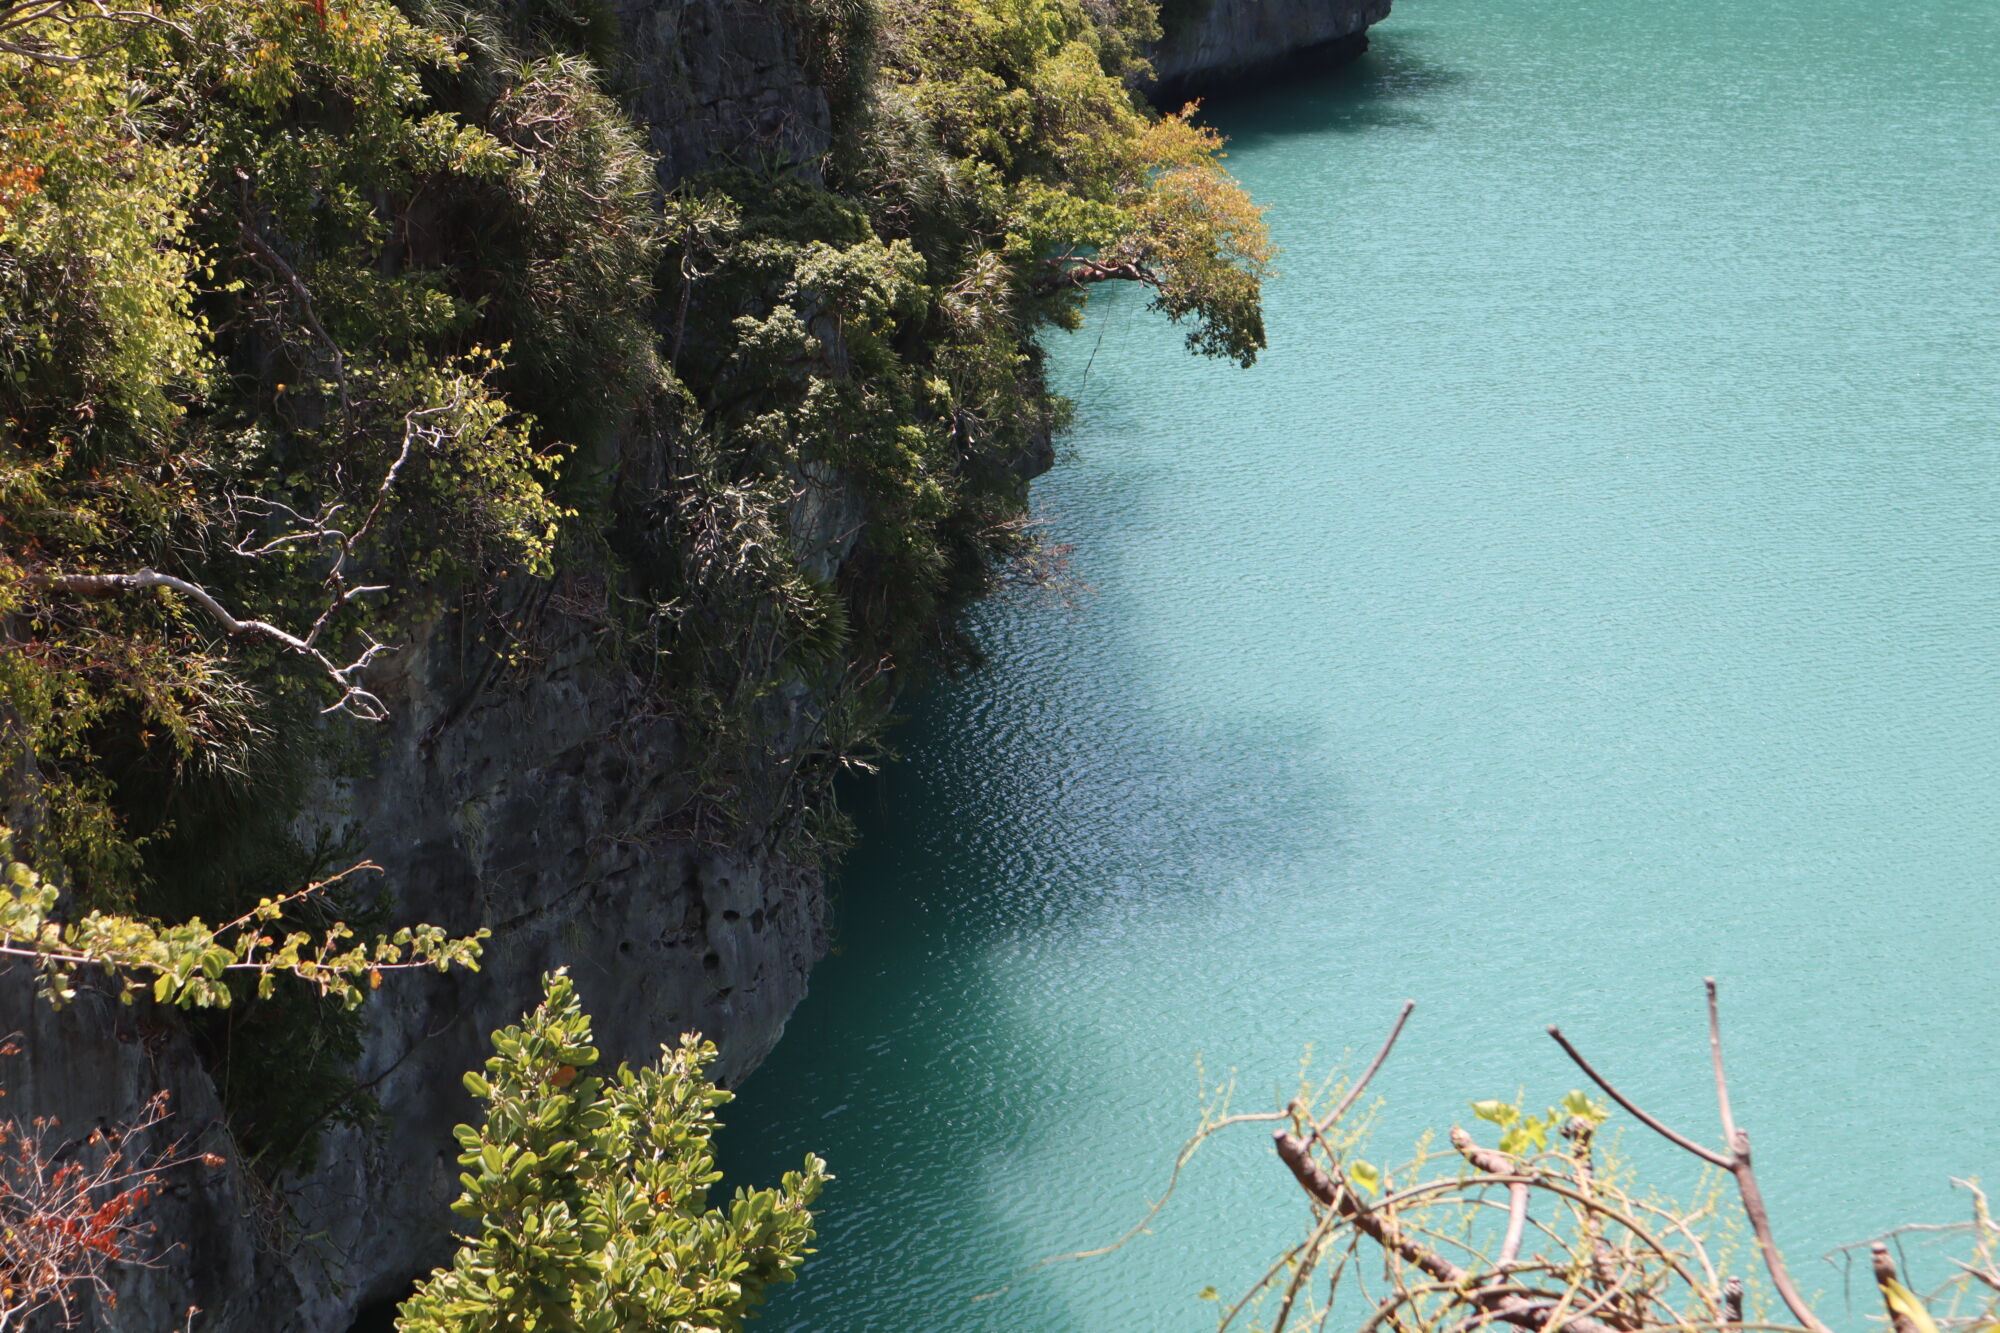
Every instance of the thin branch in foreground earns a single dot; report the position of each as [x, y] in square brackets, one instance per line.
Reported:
[187, 963]
[68, 1211]
[1715, 1053]
[1505, 1304]
[1498, 1163]
[1346, 1103]
[1736, 1162]
[1709, 1155]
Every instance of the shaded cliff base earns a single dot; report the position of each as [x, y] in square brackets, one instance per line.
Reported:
[1320, 58]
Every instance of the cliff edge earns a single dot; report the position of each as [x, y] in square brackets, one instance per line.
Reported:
[1223, 41]
[617, 757]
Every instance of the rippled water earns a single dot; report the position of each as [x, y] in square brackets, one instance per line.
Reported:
[1592, 589]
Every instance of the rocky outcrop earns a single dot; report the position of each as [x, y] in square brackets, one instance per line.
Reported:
[95, 1065]
[551, 808]
[545, 801]
[541, 793]
[720, 80]
[1214, 42]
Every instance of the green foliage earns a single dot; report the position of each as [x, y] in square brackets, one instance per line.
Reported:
[1523, 1134]
[1011, 125]
[587, 1196]
[353, 295]
[869, 341]
[343, 313]
[190, 963]
[293, 300]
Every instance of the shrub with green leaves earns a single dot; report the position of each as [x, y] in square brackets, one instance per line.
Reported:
[324, 326]
[191, 963]
[587, 1196]
[303, 306]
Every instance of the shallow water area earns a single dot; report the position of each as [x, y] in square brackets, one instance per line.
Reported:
[1592, 589]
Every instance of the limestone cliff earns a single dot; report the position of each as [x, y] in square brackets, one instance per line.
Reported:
[1214, 42]
[545, 798]
[543, 793]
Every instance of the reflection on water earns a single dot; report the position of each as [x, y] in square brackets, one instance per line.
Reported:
[1591, 590]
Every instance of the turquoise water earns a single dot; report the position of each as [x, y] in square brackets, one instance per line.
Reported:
[1593, 588]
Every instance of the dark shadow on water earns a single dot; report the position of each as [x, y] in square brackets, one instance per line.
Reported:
[904, 1073]
[1393, 86]
[1063, 797]
[1030, 812]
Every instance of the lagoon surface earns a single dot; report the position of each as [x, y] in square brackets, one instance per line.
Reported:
[1593, 588]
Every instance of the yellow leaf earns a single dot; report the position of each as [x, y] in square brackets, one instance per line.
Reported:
[1903, 1304]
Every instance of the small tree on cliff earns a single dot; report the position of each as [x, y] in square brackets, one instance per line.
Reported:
[589, 1196]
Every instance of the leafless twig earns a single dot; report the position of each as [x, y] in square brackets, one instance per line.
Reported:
[1736, 1161]
[1353, 1093]
[70, 1211]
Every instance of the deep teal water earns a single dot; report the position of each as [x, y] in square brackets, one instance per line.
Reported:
[1592, 589]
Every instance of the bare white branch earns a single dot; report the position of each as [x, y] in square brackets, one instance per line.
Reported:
[353, 698]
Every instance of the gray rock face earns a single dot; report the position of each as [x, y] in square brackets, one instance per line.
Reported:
[95, 1065]
[1226, 40]
[547, 808]
[721, 80]
[546, 798]
[544, 803]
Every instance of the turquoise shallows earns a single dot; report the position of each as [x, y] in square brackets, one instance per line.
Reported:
[1594, 588]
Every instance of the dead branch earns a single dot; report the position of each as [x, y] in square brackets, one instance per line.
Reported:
[1904, 1314]
[281, 268]
[1505, 1304]
[70, 1211]
[420, 430]
[1638, 1113]
[1579, 1252]
[353, 698]
[1499, 1164]
[1353, 1094]
[1736, 1161]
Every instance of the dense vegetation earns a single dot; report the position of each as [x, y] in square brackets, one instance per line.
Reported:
[341, 314]
[324, 320]
[327, 321]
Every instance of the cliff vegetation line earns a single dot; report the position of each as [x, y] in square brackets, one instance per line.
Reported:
[318, 316]
[325, 322]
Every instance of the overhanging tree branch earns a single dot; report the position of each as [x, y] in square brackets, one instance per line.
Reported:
[19, 22]
[1070, 271]
[421, 429]
[354, 699]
